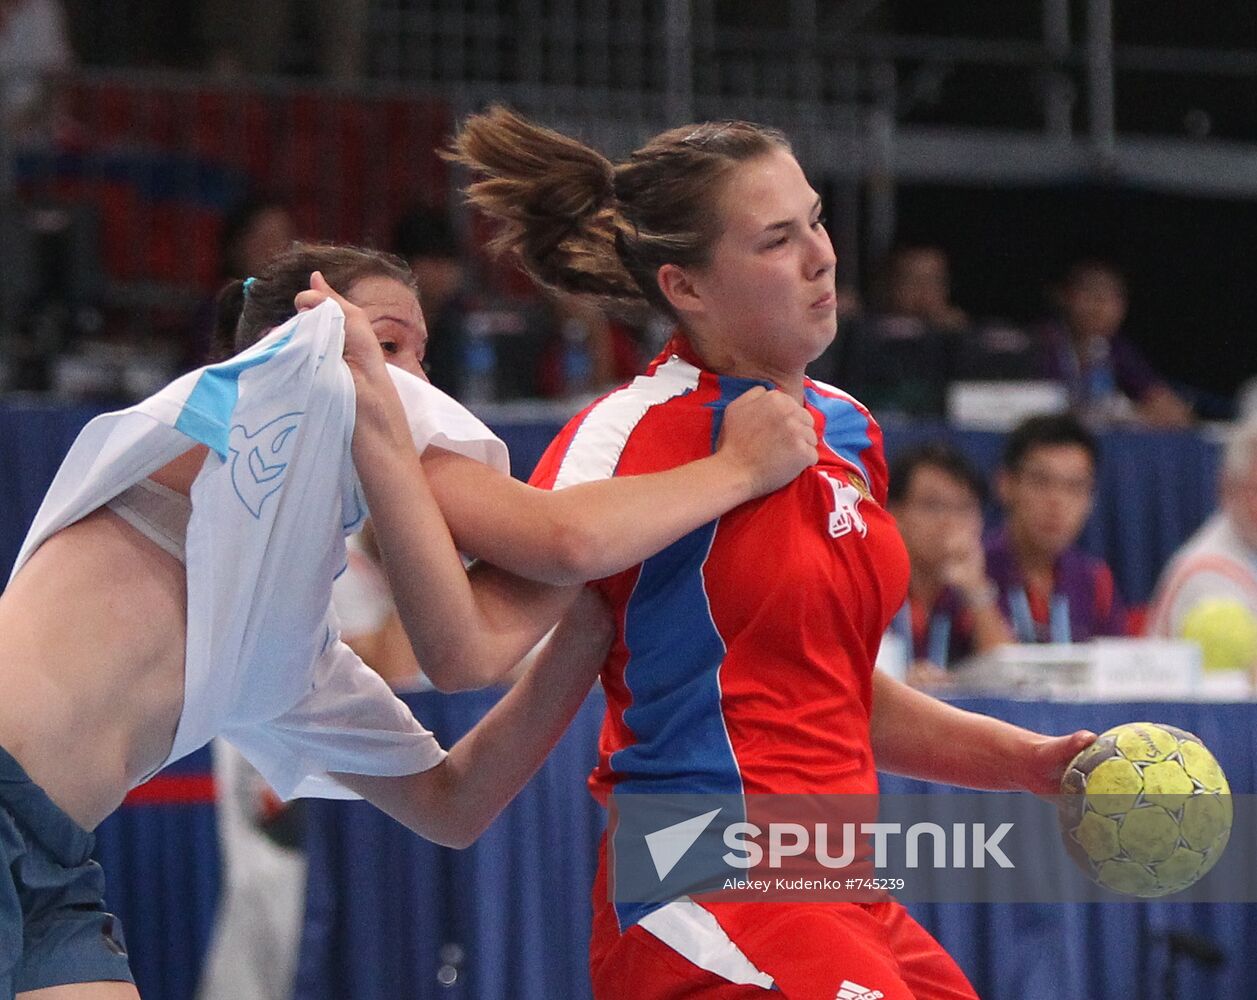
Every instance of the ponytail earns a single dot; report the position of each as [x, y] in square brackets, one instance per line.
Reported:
[228, 305]
[555, 200]
[579, 223]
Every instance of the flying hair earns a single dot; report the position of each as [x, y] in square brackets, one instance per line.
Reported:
[581, 224]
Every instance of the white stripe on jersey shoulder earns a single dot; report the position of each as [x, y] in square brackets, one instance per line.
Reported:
[599, 442]
[693, 933]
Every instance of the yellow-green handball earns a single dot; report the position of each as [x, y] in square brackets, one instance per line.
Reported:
[1146, 810]
[1226, 631]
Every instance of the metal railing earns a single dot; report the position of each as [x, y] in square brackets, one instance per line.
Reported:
[157, 157]
[864, 105]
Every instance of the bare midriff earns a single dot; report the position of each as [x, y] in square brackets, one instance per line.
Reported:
[92, 633]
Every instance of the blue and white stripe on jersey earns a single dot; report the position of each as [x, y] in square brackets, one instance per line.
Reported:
[846, 424]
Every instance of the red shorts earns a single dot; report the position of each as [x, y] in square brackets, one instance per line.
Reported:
[738, 951]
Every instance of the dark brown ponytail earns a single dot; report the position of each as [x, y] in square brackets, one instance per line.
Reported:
[580, 224]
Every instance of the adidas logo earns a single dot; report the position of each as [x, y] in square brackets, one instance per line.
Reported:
[854, 991]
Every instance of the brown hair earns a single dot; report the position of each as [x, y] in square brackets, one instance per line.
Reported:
[580, 223]
[245, 314]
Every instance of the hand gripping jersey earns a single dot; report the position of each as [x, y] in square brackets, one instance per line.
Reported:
[744, 652]
[270, 507]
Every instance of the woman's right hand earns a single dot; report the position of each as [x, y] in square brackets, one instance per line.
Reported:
[362, 350]
[378, 405]
[770, 436]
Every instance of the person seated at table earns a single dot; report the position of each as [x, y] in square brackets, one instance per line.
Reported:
[952, 609]
[1208, 591]
[1049, 588]
[1106, 375]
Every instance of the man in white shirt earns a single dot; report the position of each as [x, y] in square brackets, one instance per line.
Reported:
[1208, 591]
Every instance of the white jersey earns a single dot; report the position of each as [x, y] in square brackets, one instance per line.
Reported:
[277, 493]
[1214, 562]
[361, 596]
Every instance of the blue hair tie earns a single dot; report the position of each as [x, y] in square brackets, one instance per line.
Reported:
[248, 285]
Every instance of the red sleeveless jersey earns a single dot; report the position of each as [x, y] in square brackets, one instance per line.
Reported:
[743, 655]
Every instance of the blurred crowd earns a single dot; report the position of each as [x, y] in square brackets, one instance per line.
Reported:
[492, 335]
[905, 349]
[913, 344]
[905, 346]
[1029, 581]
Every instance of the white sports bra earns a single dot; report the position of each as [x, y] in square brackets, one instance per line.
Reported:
[156, 512]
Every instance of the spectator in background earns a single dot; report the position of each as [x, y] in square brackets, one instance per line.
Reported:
[33, 44]
[952, 609]
[900, 357]
[426, 240]
[253, 232]
[920, 288]
[485, 345]
[256, 230]
[1106, 375]
[244, 38]
[588, 352]
[1209, 589]
[1050, 589]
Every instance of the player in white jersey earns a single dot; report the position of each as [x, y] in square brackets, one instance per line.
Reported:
[118, 657]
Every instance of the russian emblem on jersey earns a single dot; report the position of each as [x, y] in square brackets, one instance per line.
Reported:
[845, 516]
[260, 459]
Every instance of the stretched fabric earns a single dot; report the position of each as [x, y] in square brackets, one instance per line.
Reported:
[270, 507]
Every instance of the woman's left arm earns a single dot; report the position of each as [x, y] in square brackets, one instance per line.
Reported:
[921, 737]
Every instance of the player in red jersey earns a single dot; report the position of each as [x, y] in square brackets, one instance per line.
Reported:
[743, 657]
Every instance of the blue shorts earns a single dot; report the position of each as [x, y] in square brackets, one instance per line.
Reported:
[53, 925]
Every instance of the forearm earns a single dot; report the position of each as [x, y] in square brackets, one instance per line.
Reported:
[430, 587]
[922, 737]
[660, 508]
[453, 802]
[583, 532]
[512, 615]
[488, 767]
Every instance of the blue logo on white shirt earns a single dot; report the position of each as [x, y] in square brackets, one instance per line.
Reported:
[260, 459]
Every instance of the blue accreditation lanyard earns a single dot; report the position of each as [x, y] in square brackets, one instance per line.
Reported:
[938, 637]
[1023, 621]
